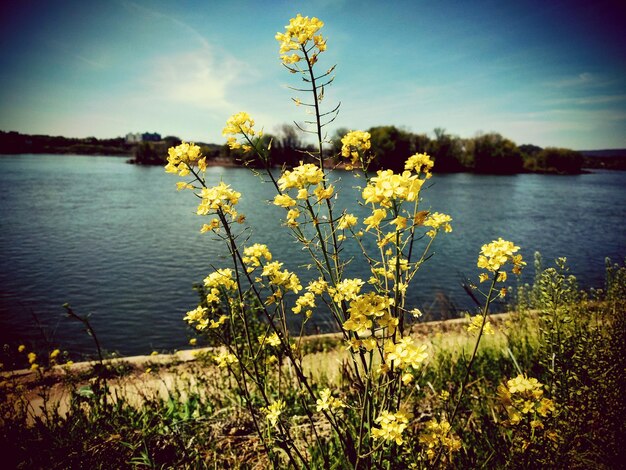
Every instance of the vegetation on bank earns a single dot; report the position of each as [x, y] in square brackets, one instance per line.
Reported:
[485, 153]
[173, 415]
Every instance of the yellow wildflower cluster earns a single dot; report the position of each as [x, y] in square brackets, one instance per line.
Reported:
[348, 289]
[282, 279]
[354, 144]
[497, 253]
[475, 323]
[438, 221]
[522, 398]
[252, 256]
[274, 411]
[327, 402]
[298, 33]
[224, 359]
[365, 307]
[347, 221]
[220, 279]
[420, 162]
[387, 187]
[389, 272]
[375, 219]
[306, 301]
[392, 425]
[272, 340]
[322, 193]
[405, 353]
[240, 124]
[211, 226]
[220, 197]
[199, 316]
[438, 435]
[301, 177]
[183, 157]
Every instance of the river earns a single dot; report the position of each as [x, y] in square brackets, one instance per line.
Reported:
[118, 242]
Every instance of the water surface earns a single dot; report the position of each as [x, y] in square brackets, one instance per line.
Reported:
[119, 242]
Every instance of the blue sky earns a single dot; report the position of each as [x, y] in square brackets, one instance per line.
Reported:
[550, 73]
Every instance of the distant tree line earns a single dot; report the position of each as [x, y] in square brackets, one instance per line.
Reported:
[391, 146]
[14, 142]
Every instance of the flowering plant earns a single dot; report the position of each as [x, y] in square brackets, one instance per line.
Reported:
[369, 421]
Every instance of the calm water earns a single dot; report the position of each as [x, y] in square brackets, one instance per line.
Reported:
[118, 241]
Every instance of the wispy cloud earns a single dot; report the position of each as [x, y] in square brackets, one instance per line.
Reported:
[197, 79]
[584, 79]
[588, 100]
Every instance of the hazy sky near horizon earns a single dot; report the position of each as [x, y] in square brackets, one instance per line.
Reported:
[550, 73]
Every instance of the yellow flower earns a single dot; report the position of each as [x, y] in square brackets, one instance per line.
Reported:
[322, 193]
[523, 400]
[224, 359]
[214, 225]
[21, 348]
[284, 200]
[305, 300]
[220, 278]
[347, 221]
[374, 220]
[181, 158]
[362, 309]
[253, 254]
[183, 185]
[405, 353]
[399, 222]
[220, 197]
[438, 221]
[475, 324]
[298, 33]
[301, 176]
[32, 357]
[274, 411]
[318, 286]
[272, 340]
[437, 436]
[348, 289]
[292, 215]
[193, 341]
[495, 254]
[284, 279]
[216, 324]
[407, 378]
[327, 402]
[387, 187]
[392, 425]
[354, 144]
[419, 162]
[239, 124]
[199, 316]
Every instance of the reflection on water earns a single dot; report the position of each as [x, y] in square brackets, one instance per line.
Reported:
[119, 242]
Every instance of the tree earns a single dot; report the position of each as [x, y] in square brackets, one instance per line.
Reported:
[447, 151]
[390, 147]
[287, 147]
[559, 160]
[492, 153]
